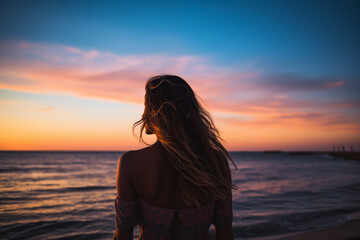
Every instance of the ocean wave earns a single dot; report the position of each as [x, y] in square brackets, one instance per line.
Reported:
[280, 224]
[45, 228]
[75, 189]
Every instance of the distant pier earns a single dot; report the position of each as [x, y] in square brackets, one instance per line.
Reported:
[340, 151]
[346, 155]
[351, 152]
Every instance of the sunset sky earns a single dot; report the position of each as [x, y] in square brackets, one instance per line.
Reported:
[274, 74]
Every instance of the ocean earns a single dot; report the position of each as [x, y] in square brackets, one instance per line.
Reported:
[70, 195]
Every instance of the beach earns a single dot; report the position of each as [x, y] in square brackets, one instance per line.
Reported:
[349, 230]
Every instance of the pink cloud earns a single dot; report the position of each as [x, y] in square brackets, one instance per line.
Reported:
[44, 68]
[336, 84]
[45, 109]
[34, 67]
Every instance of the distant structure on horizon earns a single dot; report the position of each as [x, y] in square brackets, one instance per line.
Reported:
[342, 148]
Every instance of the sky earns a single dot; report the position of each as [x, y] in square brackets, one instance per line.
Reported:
[275, 75]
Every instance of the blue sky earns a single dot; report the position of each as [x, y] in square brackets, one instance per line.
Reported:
[293, 59]
[316, 37]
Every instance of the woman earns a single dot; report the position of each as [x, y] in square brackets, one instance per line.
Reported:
[179, 186]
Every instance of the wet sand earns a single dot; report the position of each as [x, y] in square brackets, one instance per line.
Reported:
[349, 230]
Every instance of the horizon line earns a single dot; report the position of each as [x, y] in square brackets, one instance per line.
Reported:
[262, 151]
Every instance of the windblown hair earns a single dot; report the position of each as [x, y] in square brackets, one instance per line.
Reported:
[189, 137]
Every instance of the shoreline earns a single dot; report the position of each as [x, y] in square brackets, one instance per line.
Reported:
[349, 230]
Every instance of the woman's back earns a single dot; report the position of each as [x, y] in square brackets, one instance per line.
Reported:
[153, 178]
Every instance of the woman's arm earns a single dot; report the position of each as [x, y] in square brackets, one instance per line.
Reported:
[125, 190]
[222, 220]
[224, 232]
[123, 234]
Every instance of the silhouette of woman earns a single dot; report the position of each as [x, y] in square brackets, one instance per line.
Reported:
[179, 186]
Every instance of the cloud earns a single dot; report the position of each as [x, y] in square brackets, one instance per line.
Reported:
[53, 68]
[289, 121]
[45, 109]
[41, 68]
[291, 82]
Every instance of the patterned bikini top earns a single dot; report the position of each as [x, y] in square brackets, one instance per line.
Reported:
[156, 222]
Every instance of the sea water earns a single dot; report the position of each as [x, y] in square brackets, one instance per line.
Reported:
[70, 195]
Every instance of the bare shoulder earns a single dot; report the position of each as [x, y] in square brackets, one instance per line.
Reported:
[133, 159]
[129, 166]
[135, 155]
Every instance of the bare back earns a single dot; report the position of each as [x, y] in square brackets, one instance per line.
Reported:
[153, 179]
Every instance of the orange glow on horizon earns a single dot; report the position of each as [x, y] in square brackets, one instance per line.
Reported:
[73, 99]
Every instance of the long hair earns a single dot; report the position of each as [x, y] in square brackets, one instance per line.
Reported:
[191, 141]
